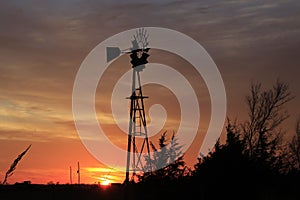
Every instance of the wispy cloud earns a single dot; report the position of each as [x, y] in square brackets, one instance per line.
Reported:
[27, 121]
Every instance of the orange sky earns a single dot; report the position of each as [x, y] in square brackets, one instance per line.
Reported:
[44, 44]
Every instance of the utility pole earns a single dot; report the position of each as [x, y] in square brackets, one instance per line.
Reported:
[78, 172]
[71, 175]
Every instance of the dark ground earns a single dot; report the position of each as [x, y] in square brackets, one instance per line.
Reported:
[144, 191]
[58, 192]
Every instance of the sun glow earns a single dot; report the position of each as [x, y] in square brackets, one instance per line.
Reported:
[105, 182]
[103, 174]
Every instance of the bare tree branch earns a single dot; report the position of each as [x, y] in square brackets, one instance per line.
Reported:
[266, 113]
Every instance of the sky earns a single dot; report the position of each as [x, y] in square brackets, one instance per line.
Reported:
[43, 44]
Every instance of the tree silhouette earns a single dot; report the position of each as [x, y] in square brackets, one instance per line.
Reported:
[252, 157]
[261, 132]
[294, 147]
[167, 161]
[224, 161]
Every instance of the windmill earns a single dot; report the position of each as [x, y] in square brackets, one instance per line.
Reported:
[137, 117]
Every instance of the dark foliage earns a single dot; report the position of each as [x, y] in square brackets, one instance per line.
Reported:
[167, 163]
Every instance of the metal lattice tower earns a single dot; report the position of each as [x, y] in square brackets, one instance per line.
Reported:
[138, 144]
[137, 120]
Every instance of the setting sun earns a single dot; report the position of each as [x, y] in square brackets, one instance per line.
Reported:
[105, 182]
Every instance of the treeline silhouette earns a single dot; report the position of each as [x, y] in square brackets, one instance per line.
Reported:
[256, 161]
